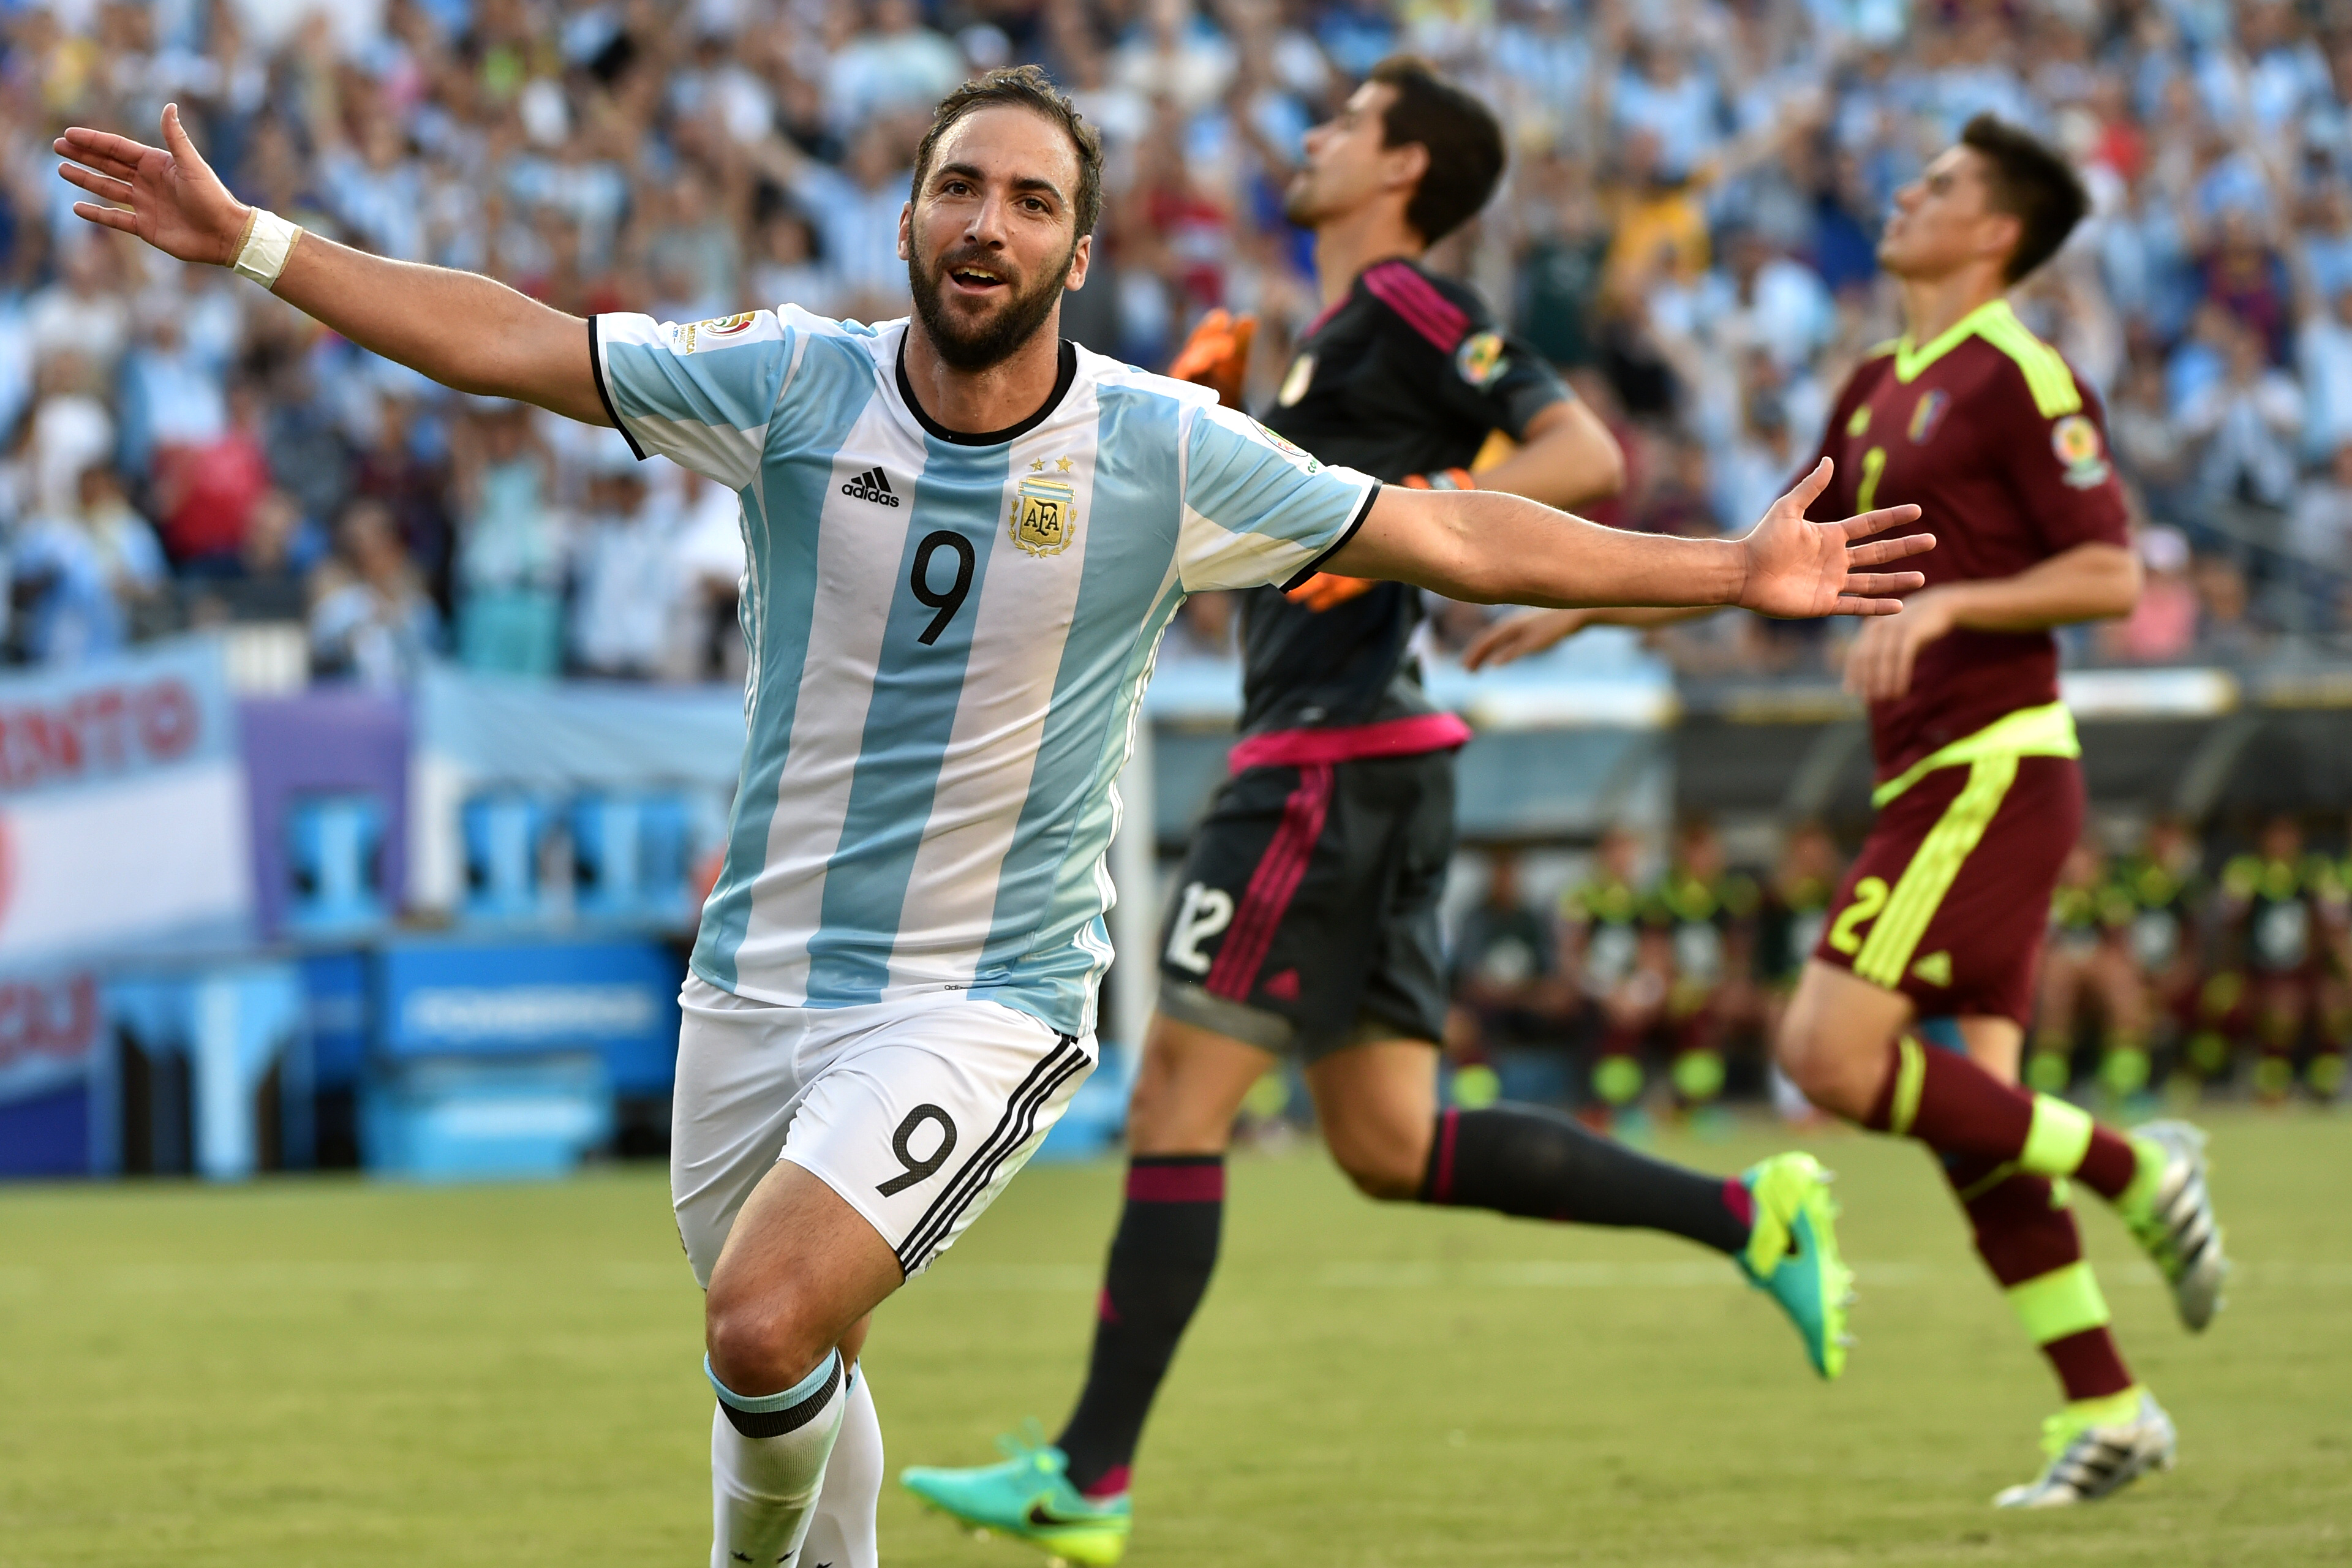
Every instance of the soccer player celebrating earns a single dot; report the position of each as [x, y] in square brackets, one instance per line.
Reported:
[1910, 1015]
[965, 537]
[1306, 918]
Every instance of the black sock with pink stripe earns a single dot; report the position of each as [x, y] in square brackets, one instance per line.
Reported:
[1538, 1164]
[1160, 1261]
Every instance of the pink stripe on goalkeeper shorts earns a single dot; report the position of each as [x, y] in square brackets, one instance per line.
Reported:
[1407, 737]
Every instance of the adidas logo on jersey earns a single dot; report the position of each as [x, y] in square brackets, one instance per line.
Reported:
[873, 485]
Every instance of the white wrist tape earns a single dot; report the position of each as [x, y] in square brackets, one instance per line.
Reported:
[263, 255]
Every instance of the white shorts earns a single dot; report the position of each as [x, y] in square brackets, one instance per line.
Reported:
[916, 1112]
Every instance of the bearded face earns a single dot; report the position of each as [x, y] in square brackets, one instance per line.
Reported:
[976, 303]
[992, 236]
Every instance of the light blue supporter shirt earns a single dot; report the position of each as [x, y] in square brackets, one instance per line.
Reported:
[949, 636]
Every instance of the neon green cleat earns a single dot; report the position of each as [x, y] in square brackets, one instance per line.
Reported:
[1793, 1253]
[1028, 1498]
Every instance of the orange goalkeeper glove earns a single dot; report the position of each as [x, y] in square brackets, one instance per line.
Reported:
[1217, 354]
[1325, 589]
[1444, 480]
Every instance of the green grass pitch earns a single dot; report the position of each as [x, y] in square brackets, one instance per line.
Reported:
[321, 1371]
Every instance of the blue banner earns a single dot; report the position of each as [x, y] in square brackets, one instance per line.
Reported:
[617, 998]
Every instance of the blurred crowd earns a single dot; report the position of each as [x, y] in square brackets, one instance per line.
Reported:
[1686, 229]
[2167, 968]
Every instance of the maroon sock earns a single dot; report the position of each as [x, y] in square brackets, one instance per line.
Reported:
[1956, 1107]
[2022, 1235]
[2109, 1165]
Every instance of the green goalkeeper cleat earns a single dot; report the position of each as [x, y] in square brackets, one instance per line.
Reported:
[1028, 1498]
[1793, 1253]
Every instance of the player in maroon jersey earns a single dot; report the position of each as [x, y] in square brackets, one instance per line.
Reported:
[1910, 1015]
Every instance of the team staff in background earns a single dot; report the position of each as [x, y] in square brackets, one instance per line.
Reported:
[2282, 912]
[891, 998]
[1910, 1015]
[1305, 919]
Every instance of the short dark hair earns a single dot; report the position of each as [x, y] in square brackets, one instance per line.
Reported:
[1461, 136]
[1029, 88]
[2027, 179]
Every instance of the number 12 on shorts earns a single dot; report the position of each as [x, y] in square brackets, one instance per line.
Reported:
[1201, 914]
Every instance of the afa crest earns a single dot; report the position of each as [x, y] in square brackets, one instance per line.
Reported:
[1044, 516]
[1288, 448]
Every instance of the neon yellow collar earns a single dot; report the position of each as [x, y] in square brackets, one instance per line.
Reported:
[1909, 361]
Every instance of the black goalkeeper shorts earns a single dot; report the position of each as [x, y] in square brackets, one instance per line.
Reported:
[1306, 917]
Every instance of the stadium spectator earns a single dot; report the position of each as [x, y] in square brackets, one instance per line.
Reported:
[629, 600]
[2250, 418]
[205, 492]
[706, 556]
[71, 428]
[789, 263]
[2321, 527]
[405, 466]
[897, 66]
[2324, 354]
[509, 544]
[170, 395]
[76, 576]
[2244, 275]
[2227, 632]
[83, 310]
[857, 207]
[370, 619]
[2162, 626]
[2148, 444]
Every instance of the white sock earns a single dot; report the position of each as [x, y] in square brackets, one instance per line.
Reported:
[843, 1535]
[765, 1484]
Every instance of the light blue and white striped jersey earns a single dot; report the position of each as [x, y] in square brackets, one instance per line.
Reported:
[949, 636]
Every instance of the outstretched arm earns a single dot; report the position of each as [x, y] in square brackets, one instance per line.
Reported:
[2087, 582]
[1514, 637]
[462, 330]
[1493, 549]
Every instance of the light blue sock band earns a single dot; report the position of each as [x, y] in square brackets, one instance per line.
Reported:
[768, 1404]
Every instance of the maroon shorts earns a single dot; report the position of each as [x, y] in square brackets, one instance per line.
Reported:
[1948, 899]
